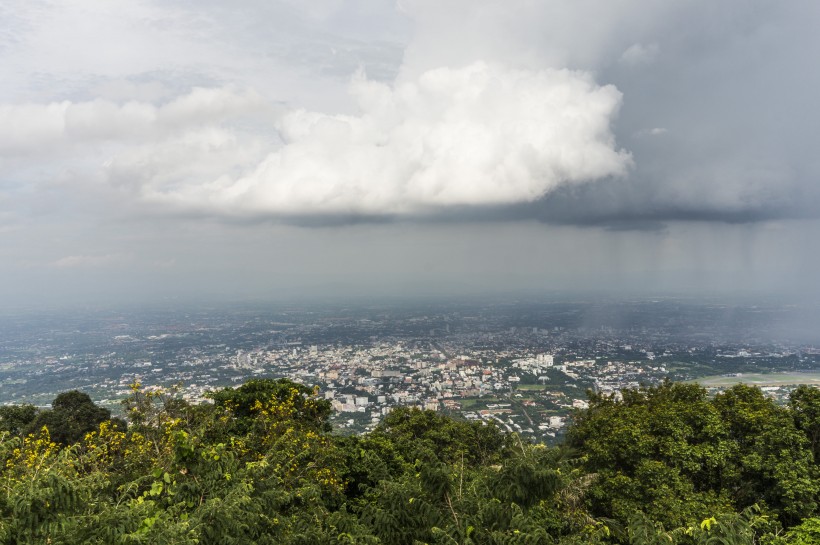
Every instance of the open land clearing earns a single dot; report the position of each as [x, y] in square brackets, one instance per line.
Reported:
[761, 379]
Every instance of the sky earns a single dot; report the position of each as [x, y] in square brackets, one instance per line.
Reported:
[277, 149]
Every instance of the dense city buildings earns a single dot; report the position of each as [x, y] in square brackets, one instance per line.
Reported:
[526, 366]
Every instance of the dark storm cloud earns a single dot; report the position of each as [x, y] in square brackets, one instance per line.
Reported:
[720, 122]
[617, 205]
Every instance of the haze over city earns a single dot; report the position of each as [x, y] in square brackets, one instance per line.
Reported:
[283, 149]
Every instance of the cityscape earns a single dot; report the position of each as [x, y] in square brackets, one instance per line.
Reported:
[524, 365]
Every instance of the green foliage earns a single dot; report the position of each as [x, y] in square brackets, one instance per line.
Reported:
[15, 419]
[773, 461]
[72, 415]
[424, 435]
[664, 465]
[806, 533]
[677, 455]
[243, 402]
[804, 402]
[750, 527]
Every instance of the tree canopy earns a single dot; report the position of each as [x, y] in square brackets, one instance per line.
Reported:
[655, 465]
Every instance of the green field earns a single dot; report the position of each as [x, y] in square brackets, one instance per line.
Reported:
[531, 387]
[761, 379]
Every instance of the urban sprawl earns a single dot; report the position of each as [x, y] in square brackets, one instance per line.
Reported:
[472, 363]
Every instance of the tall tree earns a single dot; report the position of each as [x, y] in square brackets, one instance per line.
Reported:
[15, 419]
[72, 415]
[804, 402]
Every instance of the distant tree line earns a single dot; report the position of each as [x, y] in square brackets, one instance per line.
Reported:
[260, 465]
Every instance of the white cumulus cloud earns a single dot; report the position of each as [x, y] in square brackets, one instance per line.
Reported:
[36, 128]
[483, 134]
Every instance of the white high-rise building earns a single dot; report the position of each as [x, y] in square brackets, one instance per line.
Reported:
[546, 360]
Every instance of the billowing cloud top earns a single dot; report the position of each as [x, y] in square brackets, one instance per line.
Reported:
[478, 135]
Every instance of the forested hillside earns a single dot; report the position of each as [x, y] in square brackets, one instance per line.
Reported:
[260, 465]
